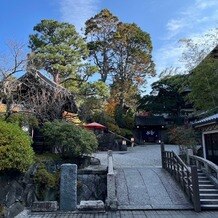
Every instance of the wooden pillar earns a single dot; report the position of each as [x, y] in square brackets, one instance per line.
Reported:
[195, 187]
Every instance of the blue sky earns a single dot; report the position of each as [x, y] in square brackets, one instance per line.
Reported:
[167, 21]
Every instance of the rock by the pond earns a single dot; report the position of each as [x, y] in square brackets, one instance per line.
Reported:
[97, 205]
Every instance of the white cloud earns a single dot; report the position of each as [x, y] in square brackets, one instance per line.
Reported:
[175, 25]
[170, 55]
[202, 4]
[198, 20]
[77, 12]
[202, 12]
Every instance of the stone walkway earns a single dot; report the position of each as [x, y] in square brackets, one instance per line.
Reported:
[129, 214]
[141, 183]
[148, 188]
[139, 156]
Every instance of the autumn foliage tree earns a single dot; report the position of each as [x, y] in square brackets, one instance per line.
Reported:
[121, 51]
[100, 31]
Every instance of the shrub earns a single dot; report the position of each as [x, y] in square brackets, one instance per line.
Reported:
[126, 133]
[22, 119]
[68, 139]
[183, 136]
[44, 181]
[15, 150]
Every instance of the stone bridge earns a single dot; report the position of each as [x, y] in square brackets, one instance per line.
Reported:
[141, 183]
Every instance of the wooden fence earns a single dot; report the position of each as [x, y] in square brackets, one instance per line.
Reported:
[186, 177]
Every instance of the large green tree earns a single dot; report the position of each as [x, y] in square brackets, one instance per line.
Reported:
[100, 31]
[132, 57]
[132, 49]
[203, 81]
[58, 49]
[167, 96]
[202, 64]
[121, 51]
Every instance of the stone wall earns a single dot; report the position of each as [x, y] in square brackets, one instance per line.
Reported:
[16, 192]
[92, 185]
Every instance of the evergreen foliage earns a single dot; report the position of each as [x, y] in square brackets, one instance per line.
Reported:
[58, 49]
[15, 150]
[68, 139]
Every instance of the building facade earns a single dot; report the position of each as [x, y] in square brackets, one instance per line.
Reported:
[209, 128]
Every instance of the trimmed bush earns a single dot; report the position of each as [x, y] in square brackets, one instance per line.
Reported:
[68, 139]
[15, 148]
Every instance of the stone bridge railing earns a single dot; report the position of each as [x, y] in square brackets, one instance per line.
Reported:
[111, 201]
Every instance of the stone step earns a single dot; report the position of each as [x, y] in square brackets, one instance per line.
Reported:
[202, 177]
[209, 201]
[208, 195]
[209, 206]
[203, 190]
[207, 186]
[201, 174]
[204, 182]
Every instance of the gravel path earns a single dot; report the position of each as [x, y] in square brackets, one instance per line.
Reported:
[139, 156]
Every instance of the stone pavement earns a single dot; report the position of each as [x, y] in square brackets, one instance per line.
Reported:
[148, 188]
[130, 214]
[141, 183]
[139, 156]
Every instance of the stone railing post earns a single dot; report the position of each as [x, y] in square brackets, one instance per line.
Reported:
[111, 200]
[162, 149]
[188, 153]
[68, 187]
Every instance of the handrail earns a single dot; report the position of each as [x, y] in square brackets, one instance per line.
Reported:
[208, 166]
[182, 162]
[186, 177]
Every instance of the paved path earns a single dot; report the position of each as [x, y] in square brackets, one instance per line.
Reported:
[139, 156]
[148, 188]
[130, 214]
[141, 183]
[140, 168]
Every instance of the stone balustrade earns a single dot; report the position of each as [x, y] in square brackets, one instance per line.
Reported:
[111, 200]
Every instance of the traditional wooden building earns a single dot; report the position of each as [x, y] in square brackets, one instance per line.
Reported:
[149, 129]
[46, 99]
[209, 128]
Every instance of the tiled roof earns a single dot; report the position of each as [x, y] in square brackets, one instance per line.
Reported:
[149, 121]
[207, 120]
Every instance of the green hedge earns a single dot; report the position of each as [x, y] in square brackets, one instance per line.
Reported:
[68, 139]
[15, 148]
